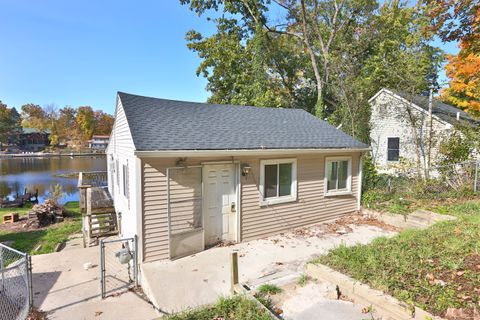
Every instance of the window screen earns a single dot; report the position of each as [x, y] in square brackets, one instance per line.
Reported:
[393, 152]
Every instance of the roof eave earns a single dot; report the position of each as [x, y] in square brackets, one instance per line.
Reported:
[242, 152]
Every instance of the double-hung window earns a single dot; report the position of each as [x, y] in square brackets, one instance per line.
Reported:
[278, 181]
[338, 175]
[393, 149]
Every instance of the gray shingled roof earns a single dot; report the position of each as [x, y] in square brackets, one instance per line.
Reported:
[442, 110]
[159, 124]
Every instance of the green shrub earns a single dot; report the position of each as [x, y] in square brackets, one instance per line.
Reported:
[370, 178]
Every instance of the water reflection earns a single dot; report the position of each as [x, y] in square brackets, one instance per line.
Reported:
[16, 174]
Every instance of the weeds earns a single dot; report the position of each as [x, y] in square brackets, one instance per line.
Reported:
[436, 268]
[233, 308]
[269, 289]
[303, 280]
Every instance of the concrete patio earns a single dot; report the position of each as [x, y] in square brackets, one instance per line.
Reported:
[65, 290]
[200, 279]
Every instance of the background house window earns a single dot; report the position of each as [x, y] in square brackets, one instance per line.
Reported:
[278, 180]
[393, 149]
[338, 173]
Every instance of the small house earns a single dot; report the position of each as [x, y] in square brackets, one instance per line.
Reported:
[98, 142]
[30, 139]
[185, 176]
[400, 130]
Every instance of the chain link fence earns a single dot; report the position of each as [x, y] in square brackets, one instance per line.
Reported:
[119, 266]
[15, 284]
[457, 177]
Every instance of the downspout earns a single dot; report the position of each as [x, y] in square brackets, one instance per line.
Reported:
[360, 181]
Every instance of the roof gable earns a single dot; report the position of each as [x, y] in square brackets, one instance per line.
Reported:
[159, 124]
[444, 112]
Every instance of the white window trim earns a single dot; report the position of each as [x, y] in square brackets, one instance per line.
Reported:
[276, 200]
[329, 193]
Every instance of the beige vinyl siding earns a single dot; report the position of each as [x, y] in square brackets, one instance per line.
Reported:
[312, 205]
[256, 221]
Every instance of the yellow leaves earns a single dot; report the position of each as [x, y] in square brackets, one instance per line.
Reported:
[464, 86]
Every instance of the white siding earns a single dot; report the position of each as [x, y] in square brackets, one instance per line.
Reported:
[390, 119]
[121, 148]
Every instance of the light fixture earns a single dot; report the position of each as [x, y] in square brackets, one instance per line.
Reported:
[245, 169]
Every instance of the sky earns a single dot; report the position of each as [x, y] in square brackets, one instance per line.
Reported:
[81, 52]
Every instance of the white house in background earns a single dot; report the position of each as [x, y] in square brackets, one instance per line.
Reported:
[185, 176]
[98, 142]
[399, 119]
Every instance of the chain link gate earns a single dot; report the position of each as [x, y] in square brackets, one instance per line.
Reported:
[118, 266]
[16, 297]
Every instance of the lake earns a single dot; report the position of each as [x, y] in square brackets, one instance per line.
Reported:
[16, 174]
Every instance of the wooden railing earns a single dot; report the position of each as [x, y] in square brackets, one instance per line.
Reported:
[96, 205]
[88, 180]
[93, 179]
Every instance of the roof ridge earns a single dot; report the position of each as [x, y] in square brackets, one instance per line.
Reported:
[205, 103]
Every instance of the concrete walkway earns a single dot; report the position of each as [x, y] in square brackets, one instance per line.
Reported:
[202, 278]
[314, 299]
[65, 290]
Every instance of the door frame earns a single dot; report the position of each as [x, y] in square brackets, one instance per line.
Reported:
[237, 186]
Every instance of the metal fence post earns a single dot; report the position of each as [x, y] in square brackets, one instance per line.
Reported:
[135, 268]
[28, 259]
[1, 268]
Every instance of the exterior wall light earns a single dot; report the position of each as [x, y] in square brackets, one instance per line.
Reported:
[245, 169]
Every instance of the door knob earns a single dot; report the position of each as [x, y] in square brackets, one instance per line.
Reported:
[232, 207]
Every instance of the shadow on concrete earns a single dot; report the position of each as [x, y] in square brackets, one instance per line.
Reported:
[41, 284]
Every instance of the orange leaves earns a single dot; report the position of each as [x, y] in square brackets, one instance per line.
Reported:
[464, 86]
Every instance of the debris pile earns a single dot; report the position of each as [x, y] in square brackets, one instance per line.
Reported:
[44, 214]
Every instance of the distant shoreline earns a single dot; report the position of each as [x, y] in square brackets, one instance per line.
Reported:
[49, 155]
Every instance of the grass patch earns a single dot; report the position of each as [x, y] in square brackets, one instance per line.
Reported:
[48, 237]
[267, 288]
[435, 269]
[233, 308]
[303, 280]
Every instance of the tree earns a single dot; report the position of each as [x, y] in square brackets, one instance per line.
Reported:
[67, 125]
[103, 123]
[9, 123]
[85, 121]
[464, 85]
[455, 20]
[313, 26]
[34, 116]
[325, 56]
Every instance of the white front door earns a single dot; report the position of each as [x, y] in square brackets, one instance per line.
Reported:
[219, 203]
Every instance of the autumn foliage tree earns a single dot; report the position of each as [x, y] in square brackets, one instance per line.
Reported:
[464, 85]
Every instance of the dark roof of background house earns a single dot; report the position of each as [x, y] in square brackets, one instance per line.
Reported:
[159, 124]
[34, 130]
[442, 110]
